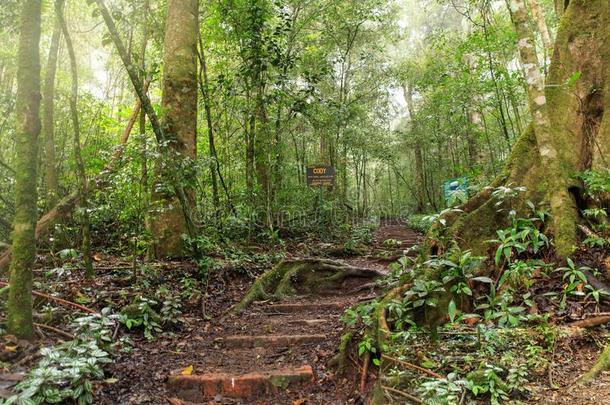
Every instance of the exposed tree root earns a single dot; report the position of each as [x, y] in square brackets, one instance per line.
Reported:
[404, 394]
[310, 276]
[365, 371]
[340, 360]
[602, 364]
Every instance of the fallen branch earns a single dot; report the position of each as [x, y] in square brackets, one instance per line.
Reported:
[49, 328]
[404, 394]
[58, 300]
[55, 330]
[588, 232]
[411, 366]
[590, 322]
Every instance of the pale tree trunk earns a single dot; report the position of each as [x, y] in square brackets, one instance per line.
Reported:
[179, 106]
[19, 306]
[83, 185]
[543, 29]
[48, 127]
[560, 6]
[563, 204]
[570, 130]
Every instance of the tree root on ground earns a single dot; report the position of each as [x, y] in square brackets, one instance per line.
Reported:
[310, 276]
[602, 364]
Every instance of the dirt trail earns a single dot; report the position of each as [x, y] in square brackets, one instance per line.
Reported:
[279, 353]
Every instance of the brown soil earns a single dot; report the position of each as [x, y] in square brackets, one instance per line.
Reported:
[574, 356]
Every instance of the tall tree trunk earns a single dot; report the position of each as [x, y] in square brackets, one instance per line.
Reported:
[249, 135]
[563, 204]
[543, 29]
[179, 106]
[48, 124]
[144, 188]
[420, 184]
[162, 139]
[83, 184]
[19, 304]
[570, 129]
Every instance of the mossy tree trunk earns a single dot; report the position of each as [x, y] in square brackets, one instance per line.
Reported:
[28, 129]
[48, 127]
[179, 120]
[174, 184]
[569, 132]
[83, 184]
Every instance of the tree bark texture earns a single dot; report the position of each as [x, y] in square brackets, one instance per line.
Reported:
[569, 132]
[179, 121]
[19, 305]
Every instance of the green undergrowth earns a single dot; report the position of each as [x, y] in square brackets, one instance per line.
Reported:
[65, 372]
[484, 326]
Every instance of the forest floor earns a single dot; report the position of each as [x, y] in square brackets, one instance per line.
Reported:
[196, 343]
[253, 342]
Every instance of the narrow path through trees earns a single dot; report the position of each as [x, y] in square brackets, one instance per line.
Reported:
[285, 351]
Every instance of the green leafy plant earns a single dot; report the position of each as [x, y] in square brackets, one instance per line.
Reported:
[65, 372]
[574, 278]
[362, 312]
[522, 236]
[444, 391]
[488, 381]
[519, 273]
[142, 313]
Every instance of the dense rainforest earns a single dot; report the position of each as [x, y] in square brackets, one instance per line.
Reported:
[304, 201]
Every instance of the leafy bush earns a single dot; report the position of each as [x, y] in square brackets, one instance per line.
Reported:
[65, 372]
[419, 222]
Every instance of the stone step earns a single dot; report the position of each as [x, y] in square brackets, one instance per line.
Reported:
[246, 342]
[255, 385]
[304, 307]
[302, 322]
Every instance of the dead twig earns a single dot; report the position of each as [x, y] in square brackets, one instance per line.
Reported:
[365, 371]
[411, 366]
[55, 330]
[404, 394]
[58, 300]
